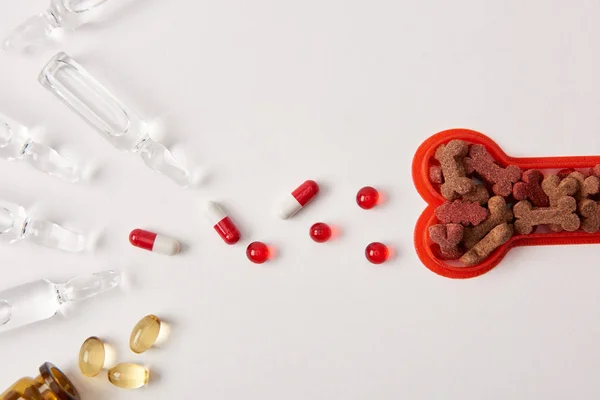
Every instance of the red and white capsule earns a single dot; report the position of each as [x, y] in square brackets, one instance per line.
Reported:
[154, 242]
[299, 198]
[222, 223]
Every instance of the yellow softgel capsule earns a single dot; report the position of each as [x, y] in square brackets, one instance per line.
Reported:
[144, 334]
[128, 376]
[92, 356]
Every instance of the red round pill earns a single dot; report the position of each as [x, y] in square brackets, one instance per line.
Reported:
[257, 252]
[377, 253]
[320, 232]
[367, 197]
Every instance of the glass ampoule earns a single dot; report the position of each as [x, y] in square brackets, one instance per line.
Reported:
[50, 384]
[16, 224]
[122, 127]
[67, 14]
[16, 144]
[42, 299]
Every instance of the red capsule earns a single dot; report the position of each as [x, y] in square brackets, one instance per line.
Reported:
[367, 197]
[298, 199]
[258, 252]
[377, 253]
[320, 232]
[222, 223]
[153, 242]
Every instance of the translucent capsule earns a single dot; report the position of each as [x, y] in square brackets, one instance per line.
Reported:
[299, 198]
[258, 252]
[154, 242]
[377, 253]
[145, 334]
[320, 232]
[128, 376]
[222, 223]
[92, 356]
[367, 198]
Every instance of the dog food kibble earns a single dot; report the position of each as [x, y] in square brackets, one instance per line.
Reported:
[590, 215]
[451, 157]
[531, 189]
[499, 213]
[479, 195]
[448, 238]
[435, 175]
[562, 215]
[488, 202]
[496, 238]
[481, 162]
[588, 185]
[460, 212]
[563, 173]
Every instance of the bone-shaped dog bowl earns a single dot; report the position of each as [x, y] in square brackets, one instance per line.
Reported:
[420, 173]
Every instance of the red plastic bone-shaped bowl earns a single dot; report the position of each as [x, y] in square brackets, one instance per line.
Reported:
[420, 173]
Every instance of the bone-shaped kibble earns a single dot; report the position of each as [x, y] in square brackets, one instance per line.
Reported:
[562, 215]
[500, 213]
[460, 212]
[482, 162]
[556, 188]
[496, 238]
[590, 213]
[588, 185]
[531, 188]
[447, 237]
[455, 181]
[479, 195]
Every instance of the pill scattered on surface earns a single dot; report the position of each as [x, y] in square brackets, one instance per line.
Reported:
[320, 232]
[222, 223]
[92, 356]
[144, 334]
[153, 242]
[128, 376]
[258, 252]
[298, 199]
[367, 198]
[377, 253]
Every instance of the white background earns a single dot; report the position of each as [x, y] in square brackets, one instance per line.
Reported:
[264, 94]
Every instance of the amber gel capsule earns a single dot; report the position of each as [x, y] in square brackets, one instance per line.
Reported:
[128, 376]
[144, 334]
[92, 357]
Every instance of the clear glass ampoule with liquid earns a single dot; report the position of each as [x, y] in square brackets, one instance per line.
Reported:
[122, 127]
[16, 224]
[16, 144]
[40, 300]
[50, 384]
[68, 14]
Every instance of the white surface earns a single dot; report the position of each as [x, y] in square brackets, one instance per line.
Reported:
[265, 94]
